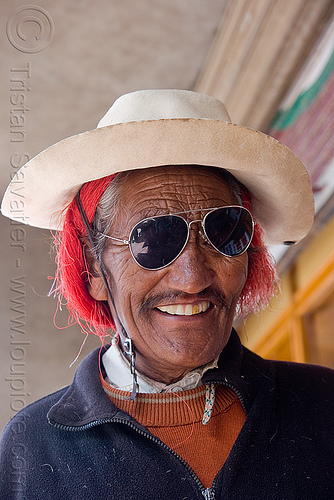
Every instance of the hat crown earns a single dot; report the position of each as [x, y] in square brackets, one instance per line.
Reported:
[145, 105]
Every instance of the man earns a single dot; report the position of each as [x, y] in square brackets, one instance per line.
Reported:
[166, 253]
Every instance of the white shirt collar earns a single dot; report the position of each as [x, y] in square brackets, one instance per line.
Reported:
[118, 373]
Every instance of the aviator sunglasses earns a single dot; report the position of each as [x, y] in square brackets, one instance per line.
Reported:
[155, 242]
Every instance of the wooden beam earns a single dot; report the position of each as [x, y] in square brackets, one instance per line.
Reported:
[259, 49]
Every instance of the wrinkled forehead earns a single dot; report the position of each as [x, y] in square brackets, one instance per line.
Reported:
[174, 188]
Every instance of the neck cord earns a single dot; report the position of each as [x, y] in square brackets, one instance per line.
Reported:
[128, 344]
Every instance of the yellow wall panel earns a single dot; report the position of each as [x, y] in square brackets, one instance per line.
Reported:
[279, 331]
[315, 254]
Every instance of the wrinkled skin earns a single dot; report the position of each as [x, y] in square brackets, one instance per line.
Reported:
[167, 345]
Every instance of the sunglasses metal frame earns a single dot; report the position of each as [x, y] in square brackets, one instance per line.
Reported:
[188, 223]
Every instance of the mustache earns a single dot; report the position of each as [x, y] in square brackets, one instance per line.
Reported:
[172, 297]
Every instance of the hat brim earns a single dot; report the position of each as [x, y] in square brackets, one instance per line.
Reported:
[282, 199]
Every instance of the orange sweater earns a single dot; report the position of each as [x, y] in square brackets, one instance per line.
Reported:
[176, 419]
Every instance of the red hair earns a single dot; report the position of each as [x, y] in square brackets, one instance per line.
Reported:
[73, 275]
[262, 279]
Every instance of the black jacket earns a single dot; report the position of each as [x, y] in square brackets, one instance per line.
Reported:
[84, 447]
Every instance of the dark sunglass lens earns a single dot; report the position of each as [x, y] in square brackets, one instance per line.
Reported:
[229, 229]
[157, 241]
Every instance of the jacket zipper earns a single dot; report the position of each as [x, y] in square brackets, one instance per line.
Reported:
[225, 383]
[203, 490]
[208, 493]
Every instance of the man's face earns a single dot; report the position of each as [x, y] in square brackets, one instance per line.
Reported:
[154, 306]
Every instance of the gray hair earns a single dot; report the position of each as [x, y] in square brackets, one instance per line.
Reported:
[106, 210]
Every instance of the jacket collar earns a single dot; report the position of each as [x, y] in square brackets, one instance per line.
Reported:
[85, 404]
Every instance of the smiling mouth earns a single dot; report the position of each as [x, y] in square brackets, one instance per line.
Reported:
[186, 309]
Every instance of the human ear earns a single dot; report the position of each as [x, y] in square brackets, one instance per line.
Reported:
[95, 283]
[97, 288]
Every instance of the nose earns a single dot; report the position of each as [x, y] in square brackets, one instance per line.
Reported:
[191, 272]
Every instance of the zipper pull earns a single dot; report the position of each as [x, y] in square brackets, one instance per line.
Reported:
[208, 494]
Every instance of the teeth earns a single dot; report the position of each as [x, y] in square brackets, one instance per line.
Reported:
[179, 310]
[196, 309]
[185, 309]
[188, 310]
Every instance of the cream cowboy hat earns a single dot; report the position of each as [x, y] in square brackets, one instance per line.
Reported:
[151, 128]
